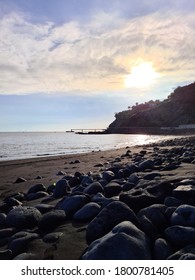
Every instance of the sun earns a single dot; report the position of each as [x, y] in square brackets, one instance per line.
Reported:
[142, 75]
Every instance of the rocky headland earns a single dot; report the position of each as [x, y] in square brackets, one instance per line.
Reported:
[136, 203]
[174, 115]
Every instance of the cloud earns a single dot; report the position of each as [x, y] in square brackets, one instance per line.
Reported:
[92, 56]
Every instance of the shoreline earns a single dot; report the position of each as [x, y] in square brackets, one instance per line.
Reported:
[71, 242]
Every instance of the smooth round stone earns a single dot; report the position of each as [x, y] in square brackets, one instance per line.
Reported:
[18, 245]
[171, 201]
[182, 253]
[112, 189]
[74, 181]
[7, 232]
[61, 189]
[94, 188]
[20, 180]
[86, 180]
[151, 176]
[180, 235]
[52, 219]
[110, 216]
[108, 175]
[25, 256]
[6, 254]
[52, 237]
[146, 164]
[133, 178]
[44, 208]
[184, 215]
[23, 217]
[124, 242]
[186, 193]
[37, 188]
[162, 249]
[156, 214]
[137, 199]
[72, 204]
[3, 217]
[36, 195]
[87, 212]
[13, 202]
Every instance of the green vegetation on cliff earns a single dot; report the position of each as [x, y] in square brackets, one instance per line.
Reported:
[178, 109]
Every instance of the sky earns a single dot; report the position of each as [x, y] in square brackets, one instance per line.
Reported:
[74, 63]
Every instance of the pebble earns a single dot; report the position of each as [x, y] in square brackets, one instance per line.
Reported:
[52, 237]
[20, 180]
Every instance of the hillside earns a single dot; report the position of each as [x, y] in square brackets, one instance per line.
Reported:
[178, 109]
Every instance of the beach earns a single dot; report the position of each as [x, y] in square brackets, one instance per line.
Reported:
[169, 162]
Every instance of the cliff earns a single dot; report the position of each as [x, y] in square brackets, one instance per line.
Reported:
[178, 109]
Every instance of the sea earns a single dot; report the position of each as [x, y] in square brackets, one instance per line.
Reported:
[24, 145]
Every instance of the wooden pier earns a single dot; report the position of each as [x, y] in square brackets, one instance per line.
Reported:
[87, 130]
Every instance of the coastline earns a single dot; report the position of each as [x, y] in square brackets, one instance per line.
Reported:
[72, 243]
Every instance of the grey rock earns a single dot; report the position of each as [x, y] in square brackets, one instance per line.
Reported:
[156, 214]
[137, 199]
[186, 193]
[184, 215]
[36, 195]
[74, 181]
[124, 242]
[23, 217]
[94, 188]
[110, 216]
[171, 201]
[87, 212]
[25, 256]
[180, 236]
[13, 202]
[37, 188]
[162, 249]
[20, 180]
[72, 204]
[52, 219]
[112, 189]
[146, 164]
[151, 176]
[44, 208]
[61, 189]
[108, 175]
[183, 253]
[3, 217]
[52, 237]
[6, 254]
[133, 178]
[7, 232]
[18, 245]
[86, 180]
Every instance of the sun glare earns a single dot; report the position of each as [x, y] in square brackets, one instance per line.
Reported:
[142, 75]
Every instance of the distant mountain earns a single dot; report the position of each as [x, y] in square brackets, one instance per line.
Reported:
[177, 110]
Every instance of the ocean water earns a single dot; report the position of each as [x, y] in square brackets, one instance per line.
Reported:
[19, 145]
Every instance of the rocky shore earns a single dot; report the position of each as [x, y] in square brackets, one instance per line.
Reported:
[136, 203]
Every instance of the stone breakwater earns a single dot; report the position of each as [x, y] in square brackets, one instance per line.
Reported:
[142, 209]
